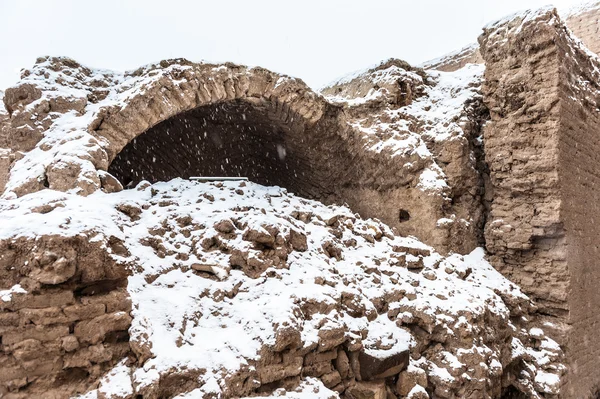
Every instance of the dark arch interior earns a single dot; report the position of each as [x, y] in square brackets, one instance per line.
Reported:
[266, 143]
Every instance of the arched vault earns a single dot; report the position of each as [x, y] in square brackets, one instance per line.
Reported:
[233, 121]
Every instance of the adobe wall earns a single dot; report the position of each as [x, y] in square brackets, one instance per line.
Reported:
[524, 231]
[579, 175]
[267, 140]
[181, 119]
[541, 146]
[585, 24]
[456, 60]
[64, 319]
[397, 109]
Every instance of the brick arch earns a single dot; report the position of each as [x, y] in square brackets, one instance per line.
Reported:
[196, 85]
[325, 158]
[230, 120]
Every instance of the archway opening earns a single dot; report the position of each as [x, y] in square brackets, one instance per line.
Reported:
[265, 142]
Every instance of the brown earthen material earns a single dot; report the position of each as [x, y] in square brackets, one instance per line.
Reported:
[529, 191]
[541, 89]
[584, 23]
[456, 60]
[391, 102]
[182, 119]
[66, 317]
[69, 325]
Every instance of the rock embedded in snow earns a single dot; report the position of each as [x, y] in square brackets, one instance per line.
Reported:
[374, 367]
[367, 390]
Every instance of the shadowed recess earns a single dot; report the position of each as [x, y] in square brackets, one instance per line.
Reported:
[238, 138]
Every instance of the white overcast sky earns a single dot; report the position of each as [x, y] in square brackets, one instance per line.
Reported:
[316, 40]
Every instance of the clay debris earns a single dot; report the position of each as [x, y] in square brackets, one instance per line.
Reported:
[246, 276]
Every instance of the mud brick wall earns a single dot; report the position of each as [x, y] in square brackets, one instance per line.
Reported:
[541, 147]
[69, 326]
[524, 232]
[586, 26]
[454, 61]
[579, 175]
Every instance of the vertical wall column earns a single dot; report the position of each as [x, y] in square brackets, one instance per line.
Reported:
[541, 145]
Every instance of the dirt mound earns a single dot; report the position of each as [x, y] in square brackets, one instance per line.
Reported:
[238, 289]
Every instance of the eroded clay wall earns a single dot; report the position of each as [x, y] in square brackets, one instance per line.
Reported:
[585, 24]
[524, 232]
[579, 175]
[456, 60]
[541, 146]
[64, 320]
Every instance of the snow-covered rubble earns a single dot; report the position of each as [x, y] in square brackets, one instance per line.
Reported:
[433, 111]
[237, 288]
[429, 122]
[64, 99]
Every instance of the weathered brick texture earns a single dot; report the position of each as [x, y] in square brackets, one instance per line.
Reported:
[56, 339]
[542, 148]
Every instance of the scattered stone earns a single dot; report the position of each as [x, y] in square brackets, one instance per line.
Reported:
[408, 379]
[220, 271]
[109, 183]
[298, 241]
[260, 236]
[332, 250]
[225, 226]
[367, 390]
[372, 367]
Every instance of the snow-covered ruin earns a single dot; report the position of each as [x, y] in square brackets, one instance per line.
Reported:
[405, 233]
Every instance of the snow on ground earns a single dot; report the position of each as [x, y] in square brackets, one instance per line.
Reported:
[309, 388]
[219, 324]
